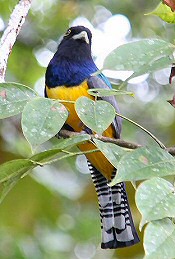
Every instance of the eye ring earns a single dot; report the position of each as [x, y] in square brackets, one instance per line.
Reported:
[68, 32]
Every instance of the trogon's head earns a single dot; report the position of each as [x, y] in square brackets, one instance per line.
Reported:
[79, 34]
[75, 39]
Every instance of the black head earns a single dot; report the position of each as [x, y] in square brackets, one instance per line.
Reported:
[78, 33]
[76, 40]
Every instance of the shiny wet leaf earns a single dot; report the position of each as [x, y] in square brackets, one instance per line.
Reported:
[159, 240]
[96, 115]
[144, 163]
[143, 56]
[111, 151]
[42, 119]
[163, 204]
[13, 98]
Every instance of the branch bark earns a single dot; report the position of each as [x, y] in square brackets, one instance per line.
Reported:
[10, 34]
[122, 143]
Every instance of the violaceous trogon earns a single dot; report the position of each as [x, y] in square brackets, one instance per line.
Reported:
[68, 76]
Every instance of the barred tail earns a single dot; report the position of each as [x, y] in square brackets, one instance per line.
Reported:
[117, 225]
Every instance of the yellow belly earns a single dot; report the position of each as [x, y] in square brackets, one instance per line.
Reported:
[72, 94]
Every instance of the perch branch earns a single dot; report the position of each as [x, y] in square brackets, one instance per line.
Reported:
[119, 142]
[10, 34]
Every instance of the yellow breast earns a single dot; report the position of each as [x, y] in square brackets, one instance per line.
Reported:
[72, 94]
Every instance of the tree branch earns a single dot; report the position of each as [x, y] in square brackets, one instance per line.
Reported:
[119, 142]
[10, 34]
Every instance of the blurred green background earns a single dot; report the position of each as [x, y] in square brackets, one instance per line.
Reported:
[53, 213]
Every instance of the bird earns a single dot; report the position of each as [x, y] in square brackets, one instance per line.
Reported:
[69, 75]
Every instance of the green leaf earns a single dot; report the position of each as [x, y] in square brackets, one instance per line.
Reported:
[105, 92]
[42, 119]
[144, 163]
[143, 56]
[46, 157]
[11, 172]
[163, 204]
[96, 115]
[14, 167]
[159, 240]
[111, 151]
[164, 12]
[13, 98]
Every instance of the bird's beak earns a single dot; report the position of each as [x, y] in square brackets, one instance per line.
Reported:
[82, 35]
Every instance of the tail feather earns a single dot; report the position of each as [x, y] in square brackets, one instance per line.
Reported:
[117, 225]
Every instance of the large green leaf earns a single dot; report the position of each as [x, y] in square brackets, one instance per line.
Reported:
[159, 240]
[163, 204]
[42, 119]
[111, 151]
[96, 115]
[141, 57]
[144, 163]
[164, 12]
[13, 98]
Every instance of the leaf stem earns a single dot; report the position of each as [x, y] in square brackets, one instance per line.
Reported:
[68, 154]
[141, 127]
[123, 84]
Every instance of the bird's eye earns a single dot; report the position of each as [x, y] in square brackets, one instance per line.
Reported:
[67, 33]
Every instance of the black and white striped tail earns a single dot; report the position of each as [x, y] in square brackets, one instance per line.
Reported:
[117, 225]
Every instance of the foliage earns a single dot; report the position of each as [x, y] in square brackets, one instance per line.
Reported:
[41, 119]
[141, 57]
[164, 12]
[92, 114]
[155, 197]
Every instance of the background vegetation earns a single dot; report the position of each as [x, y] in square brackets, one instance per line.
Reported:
[53, 213]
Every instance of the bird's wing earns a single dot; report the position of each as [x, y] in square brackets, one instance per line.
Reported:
[100, 81]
